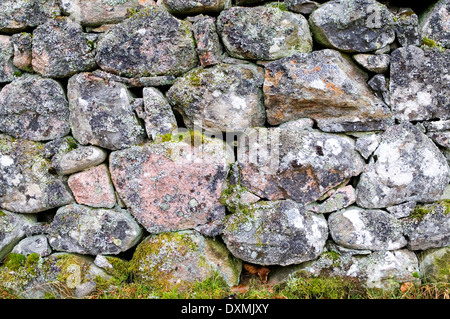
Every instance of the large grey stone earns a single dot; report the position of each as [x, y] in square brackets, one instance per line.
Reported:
[382, 269]
[61, 49]
[263, 32]
[325, 86]
[34, 108]
[99, 12]
[353, 25]
[434, 23]
[415, 93]
[27, 184]
[13, 229]
[206, 97]
[298, 165]
[85, 230]
[33, 245]
[275, 233]
[17, 15]
[101, 113]
[358, 228]
[430, 228]
[406, 166]
[181, 7]
[182, 258]
[149, 43]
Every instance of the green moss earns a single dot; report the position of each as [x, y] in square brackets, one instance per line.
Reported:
[280, 5]
[194, 138]
[14, 261]
[420, 211]
[443, 266]
[196, 76]
[430, 43]
[301, 286]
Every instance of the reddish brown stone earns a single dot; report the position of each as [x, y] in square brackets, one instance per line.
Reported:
[93, 187]
[170, 186]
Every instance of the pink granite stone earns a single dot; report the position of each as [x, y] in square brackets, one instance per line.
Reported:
[93, 187]
[166, 192]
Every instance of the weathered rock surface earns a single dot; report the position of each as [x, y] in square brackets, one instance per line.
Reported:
[263, 32]
[179, 258]
[275, 233]
[85, 230]
[151, 42]
[78, 159]
[22, 43]
[324, 86]
[7, 68]
[298, 165]
[406, 166]
[34, 108]
[16, 15]
[206, 97]
[435, 23]
[12, 229]
[378, 63]
[93, 187]
[339, 199]
[209, 47]
[156, 113]
[99, 12]
[431, 229]
[407, 28]
[380, 85]
[381, 269]
[173, 185]
[101, 113]
[61, 49]
[301, 6]
[195, 7]
[415, 93]
[59, 276]
[441, 138]
[358, 228]
[367, 144]
[401, 210]
[434, 264]
[26, 184]
[368, 27]
[33, 245]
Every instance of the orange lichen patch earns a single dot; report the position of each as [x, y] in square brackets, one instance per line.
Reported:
[274, 80]
[332, 86]
[315, 69]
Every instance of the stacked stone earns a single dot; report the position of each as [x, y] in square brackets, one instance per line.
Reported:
[114, 125]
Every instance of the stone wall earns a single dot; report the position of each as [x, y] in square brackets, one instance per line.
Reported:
[177, 139]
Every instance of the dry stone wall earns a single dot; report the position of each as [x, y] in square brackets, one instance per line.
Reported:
[180, 139]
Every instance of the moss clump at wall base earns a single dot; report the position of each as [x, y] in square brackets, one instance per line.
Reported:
[443, 266]
[300, 286]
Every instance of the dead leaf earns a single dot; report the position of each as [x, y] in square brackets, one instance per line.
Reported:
[263, 272]
[241, 288]
[406, 286]
[251, 269]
